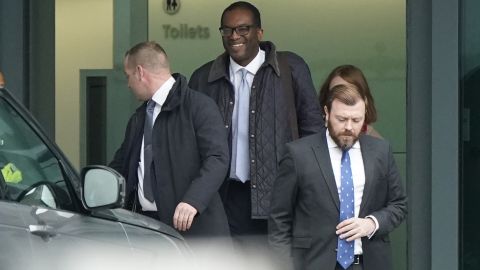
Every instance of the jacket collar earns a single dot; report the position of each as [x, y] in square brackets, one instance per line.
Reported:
[174, 97]
[323, 159]
[326, 168]
[219, 67]
[369, 164]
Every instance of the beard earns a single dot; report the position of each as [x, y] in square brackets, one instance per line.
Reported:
[345, 139]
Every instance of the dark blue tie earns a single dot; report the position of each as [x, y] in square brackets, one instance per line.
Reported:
[147, 151]
[345, 249]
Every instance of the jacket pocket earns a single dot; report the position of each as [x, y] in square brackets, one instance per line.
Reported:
[302, 242]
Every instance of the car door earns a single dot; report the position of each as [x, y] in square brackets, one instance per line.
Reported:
[15, 246]
[43, 222]
[64, 240]
[41, 215]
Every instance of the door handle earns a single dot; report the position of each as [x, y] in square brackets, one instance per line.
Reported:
[44, 231]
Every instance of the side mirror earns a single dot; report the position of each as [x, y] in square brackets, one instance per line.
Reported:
[102, 187]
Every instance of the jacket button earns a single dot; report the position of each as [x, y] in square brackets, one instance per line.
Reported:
[253, 111]
[226, 126]
[252, 135]
[253, 86]
[231, 102]
[253, 161]
[254, 186]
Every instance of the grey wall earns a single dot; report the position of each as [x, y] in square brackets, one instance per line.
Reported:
[433, 134]
[13, 51]
[27, 46]
[42, 63]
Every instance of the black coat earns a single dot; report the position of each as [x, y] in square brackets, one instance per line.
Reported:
[269, 124]
[190, 158]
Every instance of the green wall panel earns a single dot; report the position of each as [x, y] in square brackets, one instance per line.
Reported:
[369, 34]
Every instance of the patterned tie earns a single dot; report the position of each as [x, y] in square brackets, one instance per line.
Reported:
[147, 151]
[345, 249]
[242, 165]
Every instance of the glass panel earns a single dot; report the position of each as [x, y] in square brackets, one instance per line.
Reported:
[470, 145]
[100, 188]
[369, 34]
[29, 169]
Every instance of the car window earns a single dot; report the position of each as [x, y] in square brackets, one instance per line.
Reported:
[31, 172]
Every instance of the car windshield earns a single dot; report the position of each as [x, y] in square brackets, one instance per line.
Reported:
[31, 173]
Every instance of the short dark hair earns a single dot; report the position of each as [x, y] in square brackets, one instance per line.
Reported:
[346, 94]
[247, 6]
[352, 75]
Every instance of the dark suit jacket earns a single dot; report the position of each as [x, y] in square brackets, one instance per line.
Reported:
[305, 203]
[190, 158]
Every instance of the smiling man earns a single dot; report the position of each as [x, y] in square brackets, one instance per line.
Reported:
[267, 98]
[338, 193]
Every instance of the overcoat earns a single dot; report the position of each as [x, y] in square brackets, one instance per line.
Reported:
[190, 158]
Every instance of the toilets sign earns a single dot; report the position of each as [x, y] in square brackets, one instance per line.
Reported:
[181, 30]
[185, 31]
[171, 6]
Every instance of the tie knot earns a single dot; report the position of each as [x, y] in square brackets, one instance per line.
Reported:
[151, 105]
[244, 73]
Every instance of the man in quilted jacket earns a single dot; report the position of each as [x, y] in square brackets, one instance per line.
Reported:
[267, 98]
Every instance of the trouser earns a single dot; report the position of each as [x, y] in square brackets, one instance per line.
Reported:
[357, 264]
[245, 231]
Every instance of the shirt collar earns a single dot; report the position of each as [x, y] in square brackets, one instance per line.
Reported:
[161, 94]
[253, 66]
[331, 143]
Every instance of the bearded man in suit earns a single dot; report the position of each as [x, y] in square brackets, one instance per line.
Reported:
[338, 193]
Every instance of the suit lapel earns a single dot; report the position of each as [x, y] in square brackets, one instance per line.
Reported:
[368, 163]
[323, 159]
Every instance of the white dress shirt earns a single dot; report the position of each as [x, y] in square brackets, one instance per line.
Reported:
[159, 97]
[358, 175]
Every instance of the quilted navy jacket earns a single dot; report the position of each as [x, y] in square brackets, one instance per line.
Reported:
[269, 126]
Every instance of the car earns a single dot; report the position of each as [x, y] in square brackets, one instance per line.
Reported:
[52, 217]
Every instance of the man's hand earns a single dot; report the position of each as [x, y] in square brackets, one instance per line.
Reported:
[183, 217]
[355, 228]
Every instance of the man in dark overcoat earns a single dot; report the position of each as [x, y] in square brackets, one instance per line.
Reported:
[175, 153]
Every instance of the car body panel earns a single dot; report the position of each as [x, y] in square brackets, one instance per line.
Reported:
[66, 236]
